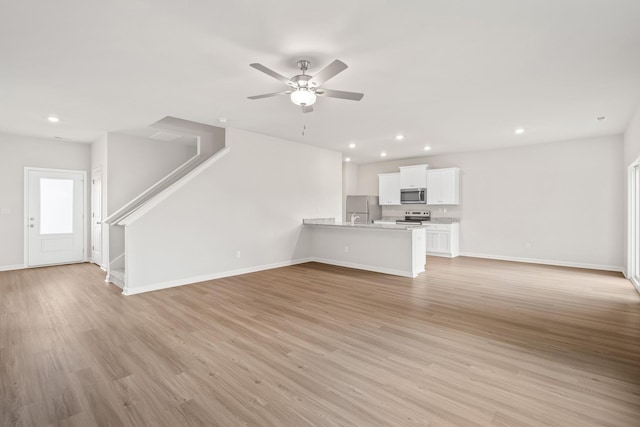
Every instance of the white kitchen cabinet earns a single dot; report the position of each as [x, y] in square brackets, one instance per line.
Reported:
[413, 176]
[389, 188]
[443, 240]
[443, 186]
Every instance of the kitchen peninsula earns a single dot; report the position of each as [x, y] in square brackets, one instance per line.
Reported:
[397, 249]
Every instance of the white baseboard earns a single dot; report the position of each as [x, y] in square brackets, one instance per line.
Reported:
[441, 255]
[635, 283]
[547, 262]
[12, 267]
[364, 267]
[114, 281]
[203, 278]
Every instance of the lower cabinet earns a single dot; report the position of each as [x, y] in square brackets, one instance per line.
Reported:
[443, 239]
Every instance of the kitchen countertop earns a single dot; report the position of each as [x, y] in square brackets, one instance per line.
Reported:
[331, 222]
[444, 220]
[434, 220]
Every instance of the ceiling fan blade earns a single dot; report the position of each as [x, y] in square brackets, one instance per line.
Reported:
[307, 108]
[328, 72]
[353, 96]
[268, 95]
[272, 73]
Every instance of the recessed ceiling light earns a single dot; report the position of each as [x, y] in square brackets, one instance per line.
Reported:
[222, 120]
[383, 154]
[601, 118]
[519, 131]
[53, 119]
[399, 137]
[427, 148]
[352, 145]
[347, 159]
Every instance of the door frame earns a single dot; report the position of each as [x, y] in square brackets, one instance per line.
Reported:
[85, 238]
[633, 214]
[96, 172]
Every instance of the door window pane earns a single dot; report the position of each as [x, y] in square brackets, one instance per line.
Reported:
[56, 206]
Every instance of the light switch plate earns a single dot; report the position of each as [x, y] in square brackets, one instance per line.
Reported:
[5, 211]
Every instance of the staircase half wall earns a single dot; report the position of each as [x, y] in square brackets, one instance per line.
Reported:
[243, 214]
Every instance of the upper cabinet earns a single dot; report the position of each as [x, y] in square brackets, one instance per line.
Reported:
[389, 188]
[413, 176]
[443, 186]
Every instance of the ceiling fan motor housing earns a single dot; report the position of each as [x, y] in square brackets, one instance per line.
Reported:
[301, 80]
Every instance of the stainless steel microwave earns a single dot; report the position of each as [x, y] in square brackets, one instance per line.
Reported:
[410, 196]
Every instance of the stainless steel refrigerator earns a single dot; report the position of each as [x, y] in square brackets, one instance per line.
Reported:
[366, 208]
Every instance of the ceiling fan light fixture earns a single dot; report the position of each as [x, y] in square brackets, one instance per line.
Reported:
[303, 97]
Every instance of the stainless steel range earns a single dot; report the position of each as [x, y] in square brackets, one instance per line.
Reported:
[415, 217]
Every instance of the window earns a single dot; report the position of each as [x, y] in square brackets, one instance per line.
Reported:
[56, 206]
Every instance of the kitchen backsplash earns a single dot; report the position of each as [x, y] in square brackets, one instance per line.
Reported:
[399, 211]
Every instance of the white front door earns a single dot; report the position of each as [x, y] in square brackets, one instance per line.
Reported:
[96, 216]
[55, 217]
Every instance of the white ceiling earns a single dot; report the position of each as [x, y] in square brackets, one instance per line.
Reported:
[452, 74]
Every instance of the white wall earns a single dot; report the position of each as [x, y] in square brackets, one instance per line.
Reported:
[133, 165]
[16, 153]
[632, 140]
[564, 198]
[252, 200]
[631, 155]
[136, 163]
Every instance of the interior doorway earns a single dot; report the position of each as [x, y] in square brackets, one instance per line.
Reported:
[55, 212]
[634, 225]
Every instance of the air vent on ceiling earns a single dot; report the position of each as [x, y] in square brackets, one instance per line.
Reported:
[165, 136]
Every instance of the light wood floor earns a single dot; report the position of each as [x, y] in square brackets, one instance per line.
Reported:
[469, 342]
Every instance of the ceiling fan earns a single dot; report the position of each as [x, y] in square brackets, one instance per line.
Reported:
[305, 88]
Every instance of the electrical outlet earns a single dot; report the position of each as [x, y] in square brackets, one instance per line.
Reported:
[528, 245]
[346, 249]
[5, 211]
[237, 254]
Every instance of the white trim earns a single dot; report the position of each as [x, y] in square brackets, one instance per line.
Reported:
[12, 267]
[110, 219]
[374, 268]
[206, 277]
[617, 268]
[25, 215]
[632, 204]
[158, 198]
[441, 254]
[114, 281]
[58, 264]
[25, 212]
[95, 172]
[54, 170]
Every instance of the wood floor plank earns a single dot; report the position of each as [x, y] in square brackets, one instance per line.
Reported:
[470, 342]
